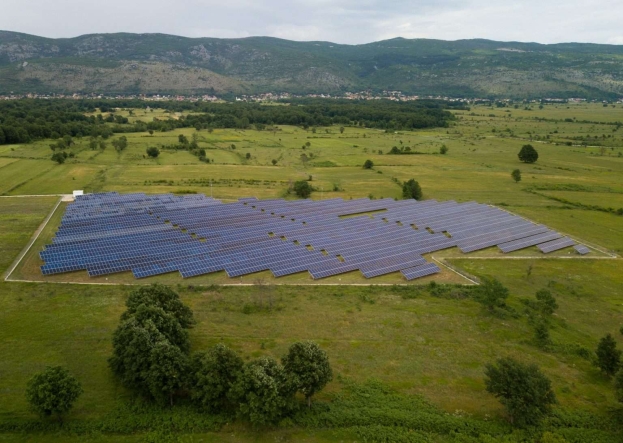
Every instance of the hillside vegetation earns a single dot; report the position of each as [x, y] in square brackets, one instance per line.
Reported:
[158, 63]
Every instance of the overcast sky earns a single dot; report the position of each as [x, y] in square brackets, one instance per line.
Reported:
[340, 21]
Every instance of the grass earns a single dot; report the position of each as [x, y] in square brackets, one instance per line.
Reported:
[409, 339]
[19, 217]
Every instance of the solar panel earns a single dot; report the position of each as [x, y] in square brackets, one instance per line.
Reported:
[581, 249]
[194, 235]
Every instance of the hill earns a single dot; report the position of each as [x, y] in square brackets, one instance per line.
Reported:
[158, 63]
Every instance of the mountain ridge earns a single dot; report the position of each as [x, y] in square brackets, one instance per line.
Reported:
[163, 63]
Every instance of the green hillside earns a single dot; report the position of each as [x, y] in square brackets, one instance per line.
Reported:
[158, 63]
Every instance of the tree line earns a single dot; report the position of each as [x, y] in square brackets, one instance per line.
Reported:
[22, 121]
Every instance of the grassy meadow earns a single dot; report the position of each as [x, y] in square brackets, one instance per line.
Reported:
[413, 339]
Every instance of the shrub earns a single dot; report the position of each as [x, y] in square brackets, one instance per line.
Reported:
[153, 152]
[302, 188]
[491, 294]
[411, 189]
[368, 164]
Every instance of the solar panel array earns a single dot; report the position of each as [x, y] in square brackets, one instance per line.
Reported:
[195, 235]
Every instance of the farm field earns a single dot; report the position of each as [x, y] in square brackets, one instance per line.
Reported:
[416, 340]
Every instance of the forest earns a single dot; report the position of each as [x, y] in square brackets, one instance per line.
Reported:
[22, 121]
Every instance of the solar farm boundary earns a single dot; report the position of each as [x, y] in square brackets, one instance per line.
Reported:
[37, 234]
[442, 263]
[590, 245]
[34, 237]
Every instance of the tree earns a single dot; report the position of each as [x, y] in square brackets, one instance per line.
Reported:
[53, 391]
[341, 129]
[182, 139]
[491, 294]
[132, 345]
[153, 152]
[151, 132]
[368, 164]
[528, 154]
[166, 323]
[248, 155]
[524, 390]
[213, 373]
[302, 188]
[59, 157]
[516, 174]
[167, 371]
[163, 297]
[411, 189]
[618, 385]
[120, 144]
[263, 392]
[608, 356]
[443, 150]
[274, 162]
[309, 368]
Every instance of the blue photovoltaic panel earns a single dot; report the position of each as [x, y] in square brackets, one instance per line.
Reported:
[195, 235]
[583, 250]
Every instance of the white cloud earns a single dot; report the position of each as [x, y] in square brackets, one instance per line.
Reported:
[340, 21]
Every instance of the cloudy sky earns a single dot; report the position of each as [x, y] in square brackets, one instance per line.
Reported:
[340, 21]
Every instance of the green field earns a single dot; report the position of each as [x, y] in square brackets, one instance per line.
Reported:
[411, 339]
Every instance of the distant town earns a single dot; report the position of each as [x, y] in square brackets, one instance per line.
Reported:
[272, 97]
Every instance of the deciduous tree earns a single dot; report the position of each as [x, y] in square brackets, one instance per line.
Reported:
[524, 390]
[53, 391]
[309, 368]
[528, 154]
[162, 296]
[608, 356]
[263, 392]
[213, 373]
[411, 189]
[167, 372]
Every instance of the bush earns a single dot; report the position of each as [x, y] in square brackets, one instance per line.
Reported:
[443, 150]
[491, 294]
[368, 164]
[302, 188]
[53, 391]
[59, 157]
[153, 152]
[411, 189]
